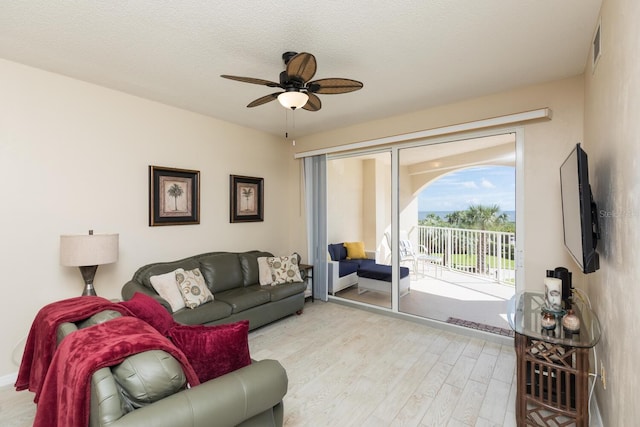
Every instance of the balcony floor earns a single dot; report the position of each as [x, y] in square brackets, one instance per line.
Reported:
[451, 294]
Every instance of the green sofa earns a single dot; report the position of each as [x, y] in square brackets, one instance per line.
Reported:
[148, 389]
[233, 279]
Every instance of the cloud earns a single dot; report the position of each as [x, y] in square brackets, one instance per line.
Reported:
[487, 184]
[457, 190]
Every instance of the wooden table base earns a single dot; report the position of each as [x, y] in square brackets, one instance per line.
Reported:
[553, 384]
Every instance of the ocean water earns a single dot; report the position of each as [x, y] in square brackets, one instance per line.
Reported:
[443, 214]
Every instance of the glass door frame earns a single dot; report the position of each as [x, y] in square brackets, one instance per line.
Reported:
[394, 151]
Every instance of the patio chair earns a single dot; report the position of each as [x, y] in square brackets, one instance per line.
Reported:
[409, 254]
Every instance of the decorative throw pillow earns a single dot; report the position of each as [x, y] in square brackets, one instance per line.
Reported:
[337, 251]
[284, 269]
[193, 287]
[151, 311]
[213, 350]
[264, 271]
[167, 287]
[355, 250]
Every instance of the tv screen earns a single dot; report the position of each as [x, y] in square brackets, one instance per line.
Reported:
[579, 211]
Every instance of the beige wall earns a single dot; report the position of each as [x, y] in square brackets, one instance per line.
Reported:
[547, 144]
[612, 141]
[74, 156]
[345, 207]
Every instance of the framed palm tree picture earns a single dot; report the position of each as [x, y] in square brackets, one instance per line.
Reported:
[174, 196]
[246, 199]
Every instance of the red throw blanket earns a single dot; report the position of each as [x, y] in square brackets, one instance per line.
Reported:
[41, 342]
[66, 392]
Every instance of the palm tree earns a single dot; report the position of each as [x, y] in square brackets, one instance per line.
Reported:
[432, 220]
[246, 193]
[175, 191]
[481, 217]
[455, 218]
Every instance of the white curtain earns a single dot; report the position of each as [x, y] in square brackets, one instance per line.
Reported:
[315, 184]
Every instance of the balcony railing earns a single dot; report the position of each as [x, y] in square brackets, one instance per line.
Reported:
[486, 253]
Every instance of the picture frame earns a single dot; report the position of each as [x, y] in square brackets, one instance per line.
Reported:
[174, 196]
[246, 199]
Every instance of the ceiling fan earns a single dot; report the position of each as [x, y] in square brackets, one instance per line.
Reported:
[298, 91]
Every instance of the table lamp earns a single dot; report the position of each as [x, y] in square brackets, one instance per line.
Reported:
[88, 251]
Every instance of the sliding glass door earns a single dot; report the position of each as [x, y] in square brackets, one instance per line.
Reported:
[457, 229]
[359, 215]
[435, 222]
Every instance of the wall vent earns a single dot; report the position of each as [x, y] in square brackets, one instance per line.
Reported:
[596, 45]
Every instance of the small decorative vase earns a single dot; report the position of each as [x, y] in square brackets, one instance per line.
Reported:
[571, 322]
[548, 320]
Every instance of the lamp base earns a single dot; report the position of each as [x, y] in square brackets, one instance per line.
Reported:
[88, 273]
[89, 290]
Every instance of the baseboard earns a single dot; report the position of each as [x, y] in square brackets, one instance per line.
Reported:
[8, 379]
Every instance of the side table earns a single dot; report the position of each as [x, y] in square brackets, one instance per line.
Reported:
[552, 364]
[306, 270]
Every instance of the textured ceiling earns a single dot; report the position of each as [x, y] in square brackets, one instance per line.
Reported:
[410, 55]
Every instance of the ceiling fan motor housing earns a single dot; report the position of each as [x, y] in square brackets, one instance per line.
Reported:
[287, 82]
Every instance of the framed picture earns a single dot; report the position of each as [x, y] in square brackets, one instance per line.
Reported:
[246, 199]
[174, 196]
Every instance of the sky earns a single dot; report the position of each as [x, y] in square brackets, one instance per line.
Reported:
[484, 185]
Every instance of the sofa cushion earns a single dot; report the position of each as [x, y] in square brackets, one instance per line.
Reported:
[347, 267]
[285, 290]
[167, 287]
[241, 299]
[250, 266]
[147, 377]
[151, 311]
[284, 269]
[193, 288]
[337, 251]
[222, 271]
[206, 313]
[380, 272]
[214, 350]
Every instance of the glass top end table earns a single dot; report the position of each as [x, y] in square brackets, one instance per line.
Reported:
[525, 314]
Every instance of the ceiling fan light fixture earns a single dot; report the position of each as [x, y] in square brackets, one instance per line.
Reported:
[293, 99]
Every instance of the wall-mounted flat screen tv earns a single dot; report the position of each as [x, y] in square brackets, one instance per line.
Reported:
[579, 211]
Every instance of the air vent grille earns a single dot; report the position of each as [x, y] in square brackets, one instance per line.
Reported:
[597, 46]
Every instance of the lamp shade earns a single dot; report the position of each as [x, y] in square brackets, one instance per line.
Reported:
[293, 99]
[88, 249]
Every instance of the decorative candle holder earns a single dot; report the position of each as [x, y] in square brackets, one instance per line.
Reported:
[553, 294]
[548, 320]
[571, 322]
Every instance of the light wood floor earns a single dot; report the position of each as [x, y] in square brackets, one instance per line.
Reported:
[351, 367]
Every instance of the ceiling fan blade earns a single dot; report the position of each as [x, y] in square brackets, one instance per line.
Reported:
[302, 66]
[334, 86]
[313, 104]
[264, 99]
[251, 80]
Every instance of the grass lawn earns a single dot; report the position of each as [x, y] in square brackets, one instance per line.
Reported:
[492, 261]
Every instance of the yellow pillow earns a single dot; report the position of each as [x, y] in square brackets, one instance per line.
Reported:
[355, 250]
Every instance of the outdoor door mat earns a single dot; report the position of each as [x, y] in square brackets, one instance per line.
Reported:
[481, 327]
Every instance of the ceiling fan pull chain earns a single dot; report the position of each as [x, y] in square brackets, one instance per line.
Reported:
[286, 124]
[293, 121]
